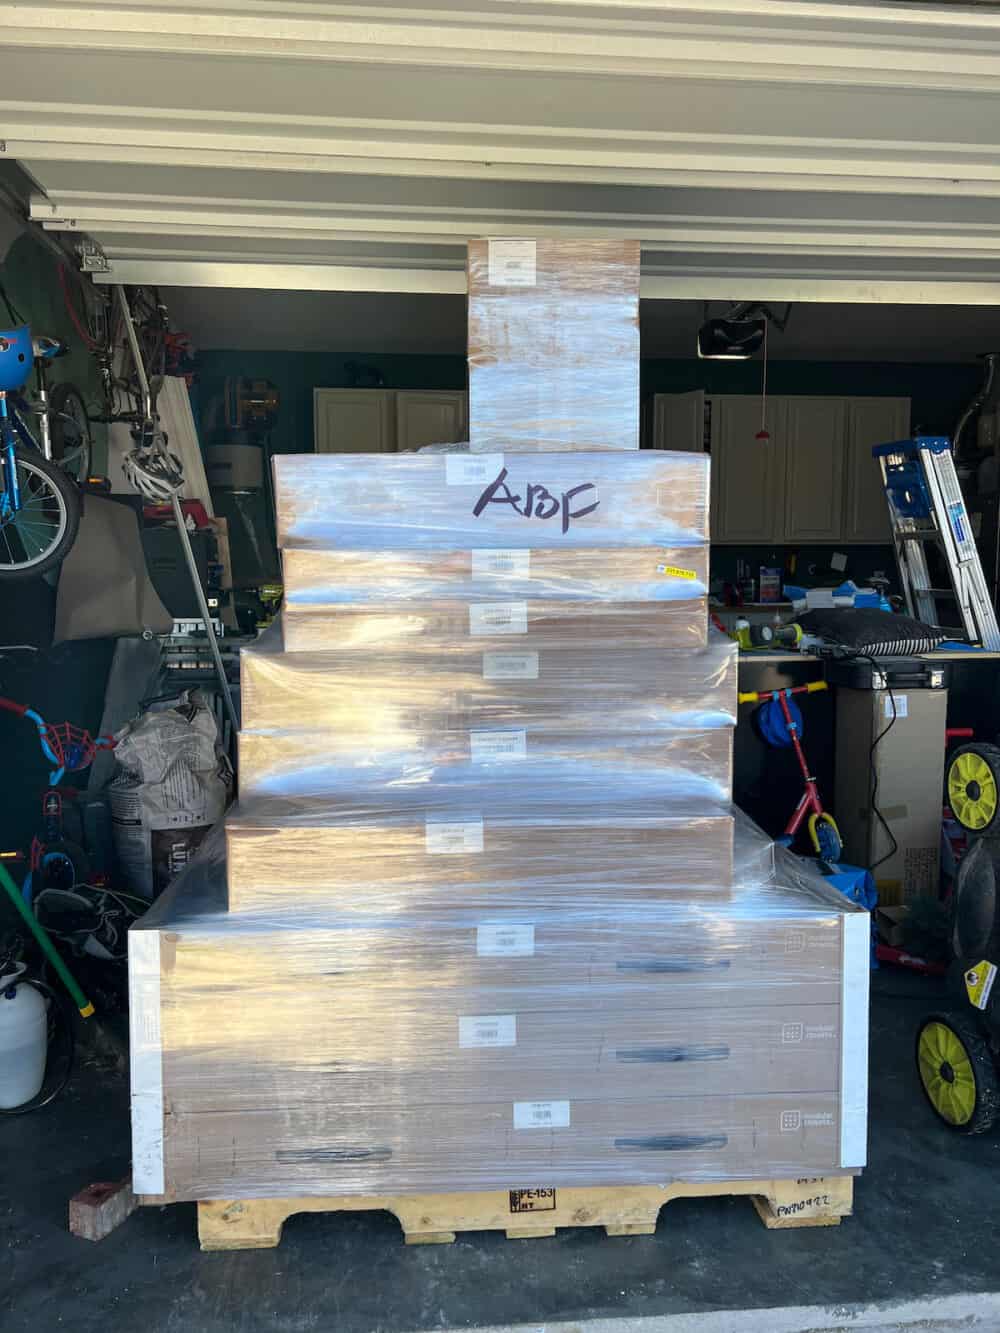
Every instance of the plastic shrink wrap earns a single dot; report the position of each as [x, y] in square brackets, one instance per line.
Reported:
[410, 1044]
[485, 916]
[553, 344]
[469, 502]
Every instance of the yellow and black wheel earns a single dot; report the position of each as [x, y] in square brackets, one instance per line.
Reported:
[958, 1073]
[972, 785]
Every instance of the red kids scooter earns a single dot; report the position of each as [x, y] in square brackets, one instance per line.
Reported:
[780, 724]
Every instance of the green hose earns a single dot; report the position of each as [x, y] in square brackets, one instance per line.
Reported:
[45, 944]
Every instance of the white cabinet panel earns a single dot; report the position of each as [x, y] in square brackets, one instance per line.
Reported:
[426, 417]
[679, 421]
[748, 475]
[816, 433]
[354, 421]
[870, 421]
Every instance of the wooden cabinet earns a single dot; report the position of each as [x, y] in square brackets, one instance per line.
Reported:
[748, 475]
[679, 421]
[813, 481]
[815, 431]
[426, 417]
[354, 421]
[870, 421]
[372, 421]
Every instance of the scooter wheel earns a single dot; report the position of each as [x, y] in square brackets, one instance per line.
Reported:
[958, 1073]
[972, 786]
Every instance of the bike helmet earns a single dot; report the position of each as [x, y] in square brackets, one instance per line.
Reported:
[16, 358]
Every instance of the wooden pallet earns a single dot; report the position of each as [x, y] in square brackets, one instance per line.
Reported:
[435, 1219]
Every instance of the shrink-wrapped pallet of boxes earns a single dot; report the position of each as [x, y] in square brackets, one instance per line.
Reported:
[484, 924]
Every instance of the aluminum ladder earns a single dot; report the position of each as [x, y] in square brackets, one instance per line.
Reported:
[926, 505]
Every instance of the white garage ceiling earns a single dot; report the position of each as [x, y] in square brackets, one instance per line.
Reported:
[788, 149]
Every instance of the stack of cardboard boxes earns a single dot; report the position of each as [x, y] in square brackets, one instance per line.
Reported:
[484, 916]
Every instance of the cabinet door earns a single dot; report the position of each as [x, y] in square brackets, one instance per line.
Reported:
[815, 443]
[870, 421]
[353, 421]
[425, 417]
[679, 421]
[748, 475]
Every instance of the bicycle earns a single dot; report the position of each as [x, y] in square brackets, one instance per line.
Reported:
[39, 501]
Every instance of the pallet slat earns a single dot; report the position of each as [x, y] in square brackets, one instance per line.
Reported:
[436, 1219]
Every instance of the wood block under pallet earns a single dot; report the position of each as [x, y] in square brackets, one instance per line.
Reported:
[431, 1219]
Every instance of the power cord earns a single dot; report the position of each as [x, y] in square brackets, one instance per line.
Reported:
[873, 772]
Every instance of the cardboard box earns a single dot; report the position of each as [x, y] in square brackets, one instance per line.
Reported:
[483, 843]
[235, 1014]
[377, 1055]
[470, 627]
[906, 759]
[468, 502]
[326, 1149]
[553, 344]
[568, 690]
[322, 579]
[697, 764]
[451, 957]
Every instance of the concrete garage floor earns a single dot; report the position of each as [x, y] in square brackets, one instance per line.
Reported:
[926, 1226]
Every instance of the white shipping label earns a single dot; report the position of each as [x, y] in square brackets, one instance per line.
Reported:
[513, 564]
[541, 1115]
[902, 705]
[453, 838]
[487, 1030]
[498, 618]
[495, 939]
[486, 745]
[471, 469]
[510, 666]
[511, 263]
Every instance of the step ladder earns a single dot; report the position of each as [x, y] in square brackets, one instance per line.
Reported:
[926, 505]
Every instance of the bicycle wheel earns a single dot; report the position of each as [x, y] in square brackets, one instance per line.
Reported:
[70, 431]
[40, 533]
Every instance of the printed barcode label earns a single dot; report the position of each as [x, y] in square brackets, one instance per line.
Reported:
[515, 564]
[676, 572]
[488, 1030]
[449, 838]
[511, 263]
[510, 666]
[502, 940]
[498, 618]
[541, 1115]
[485, 745]
[471, 469]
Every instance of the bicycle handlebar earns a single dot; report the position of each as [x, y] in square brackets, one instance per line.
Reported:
[758, 696]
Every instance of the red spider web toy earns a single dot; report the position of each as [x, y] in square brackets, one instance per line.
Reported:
[69, 748]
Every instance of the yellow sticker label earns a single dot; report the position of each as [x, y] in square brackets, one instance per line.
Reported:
[675, 572]
[979, 983]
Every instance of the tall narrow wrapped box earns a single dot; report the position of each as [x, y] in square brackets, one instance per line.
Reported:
[553, 344]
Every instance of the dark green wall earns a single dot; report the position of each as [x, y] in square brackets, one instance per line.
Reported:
[296, 374]
[939, 392]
